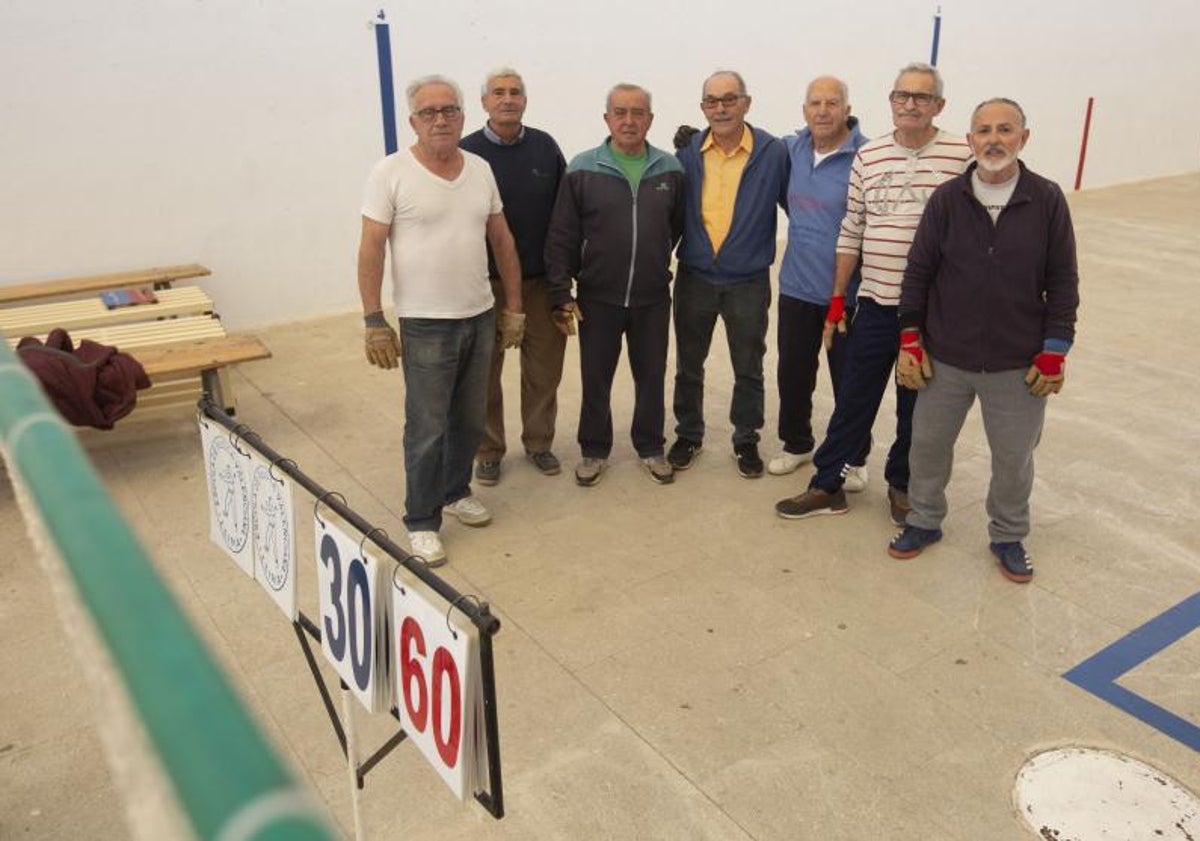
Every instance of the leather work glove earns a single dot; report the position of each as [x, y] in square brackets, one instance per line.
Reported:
[382, 345]
[1046, 375]
[512, 328]
[835, 319]
[913, 366]
[565, 317]
[684, 135]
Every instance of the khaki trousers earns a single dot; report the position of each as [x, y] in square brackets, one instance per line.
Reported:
[541, 355]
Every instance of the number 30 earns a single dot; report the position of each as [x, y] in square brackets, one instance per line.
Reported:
[360, 653]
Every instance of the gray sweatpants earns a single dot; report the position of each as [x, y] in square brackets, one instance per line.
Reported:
[1012, 419]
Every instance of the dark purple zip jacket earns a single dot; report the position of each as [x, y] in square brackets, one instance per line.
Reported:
[986, 296]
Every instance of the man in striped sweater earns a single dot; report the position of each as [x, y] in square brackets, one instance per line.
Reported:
[890, 181]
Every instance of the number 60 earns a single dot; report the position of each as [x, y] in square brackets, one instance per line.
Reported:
[412, 680]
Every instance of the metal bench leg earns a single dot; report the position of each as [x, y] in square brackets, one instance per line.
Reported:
[211, 382]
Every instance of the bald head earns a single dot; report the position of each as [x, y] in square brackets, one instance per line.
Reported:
[825, 83]
[827, 112]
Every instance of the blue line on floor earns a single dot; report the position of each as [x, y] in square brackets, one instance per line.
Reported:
[1100, 672]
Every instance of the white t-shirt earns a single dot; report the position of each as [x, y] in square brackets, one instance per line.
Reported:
[438, 234]
[993, 197]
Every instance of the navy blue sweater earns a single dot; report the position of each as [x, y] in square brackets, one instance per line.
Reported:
[749, 249]
[987, 295]
[527, 173]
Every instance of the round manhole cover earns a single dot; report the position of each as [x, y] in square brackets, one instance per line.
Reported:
[1082, 794]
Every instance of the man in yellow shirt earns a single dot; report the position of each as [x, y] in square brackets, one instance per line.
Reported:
[736, 176]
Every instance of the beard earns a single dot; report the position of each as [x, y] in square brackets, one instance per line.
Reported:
[991, 163]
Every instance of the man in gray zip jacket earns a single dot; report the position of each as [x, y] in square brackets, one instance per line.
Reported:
[618, 215]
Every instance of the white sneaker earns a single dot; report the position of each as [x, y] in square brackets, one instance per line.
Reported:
[856, 479]
[786, 462]
[469, 511]
[427, 546]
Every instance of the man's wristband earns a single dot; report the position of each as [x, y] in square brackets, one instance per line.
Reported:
[837, 309]
[375, 319]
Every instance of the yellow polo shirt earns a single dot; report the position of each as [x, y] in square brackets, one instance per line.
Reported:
[722, 174]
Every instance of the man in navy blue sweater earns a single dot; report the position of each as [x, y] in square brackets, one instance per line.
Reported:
[528, 165]
[736, 175]
[987, 309]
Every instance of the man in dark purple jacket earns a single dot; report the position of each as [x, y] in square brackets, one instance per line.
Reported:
[990, 295]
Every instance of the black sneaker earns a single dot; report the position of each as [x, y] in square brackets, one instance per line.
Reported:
[683, 452]
[1014, 563]
[812, 502]
[487, 472]
[909, 543]
[748, 462]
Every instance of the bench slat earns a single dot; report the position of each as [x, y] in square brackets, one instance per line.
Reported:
[200, 355]
[143, 334]
[95, 283]
[36, 319]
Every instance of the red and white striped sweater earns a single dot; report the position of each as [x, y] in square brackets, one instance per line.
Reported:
[889, 186]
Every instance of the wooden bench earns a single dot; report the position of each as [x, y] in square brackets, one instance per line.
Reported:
[179, 339]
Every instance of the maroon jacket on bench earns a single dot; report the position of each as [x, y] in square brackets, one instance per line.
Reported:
[92, 385]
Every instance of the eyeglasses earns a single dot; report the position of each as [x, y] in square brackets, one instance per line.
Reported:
[428, 115]
[922, 99]
[728, 100]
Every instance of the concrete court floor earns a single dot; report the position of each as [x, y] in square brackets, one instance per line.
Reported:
[676, 662]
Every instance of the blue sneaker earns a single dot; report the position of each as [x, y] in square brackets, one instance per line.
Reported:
[1014, 562]
[909, 543]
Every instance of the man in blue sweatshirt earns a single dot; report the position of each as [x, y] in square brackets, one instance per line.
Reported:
[820, 155]
[736, 176]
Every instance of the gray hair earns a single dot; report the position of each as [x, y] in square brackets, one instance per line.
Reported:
[741, 83]
[498, 73]
[843, 88]
[622, 87]
[928, 69]
[1000, 100]
[414, 87]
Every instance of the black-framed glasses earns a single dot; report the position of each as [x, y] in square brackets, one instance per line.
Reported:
[428, 115]
[728, 100]
[901, 97]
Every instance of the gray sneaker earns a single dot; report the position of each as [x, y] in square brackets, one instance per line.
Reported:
[658, 469]
[546, 463]
[587, 472]
[487, 472]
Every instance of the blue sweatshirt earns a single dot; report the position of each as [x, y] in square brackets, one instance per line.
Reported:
[816, 203]
[749, 249]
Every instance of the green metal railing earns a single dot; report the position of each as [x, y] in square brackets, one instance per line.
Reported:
[227, 779]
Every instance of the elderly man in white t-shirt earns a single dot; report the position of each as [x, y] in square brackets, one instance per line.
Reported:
[435, 205]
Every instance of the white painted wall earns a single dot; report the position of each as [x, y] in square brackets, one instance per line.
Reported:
[238, 133]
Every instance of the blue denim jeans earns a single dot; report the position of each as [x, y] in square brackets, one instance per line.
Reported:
[743, 307]
[445, 363]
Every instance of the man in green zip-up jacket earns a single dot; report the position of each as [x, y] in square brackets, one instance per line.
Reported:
[618, 215]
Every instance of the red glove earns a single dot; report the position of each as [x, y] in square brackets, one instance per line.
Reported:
[1045, 376]
[913, 367]
[835, 319]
